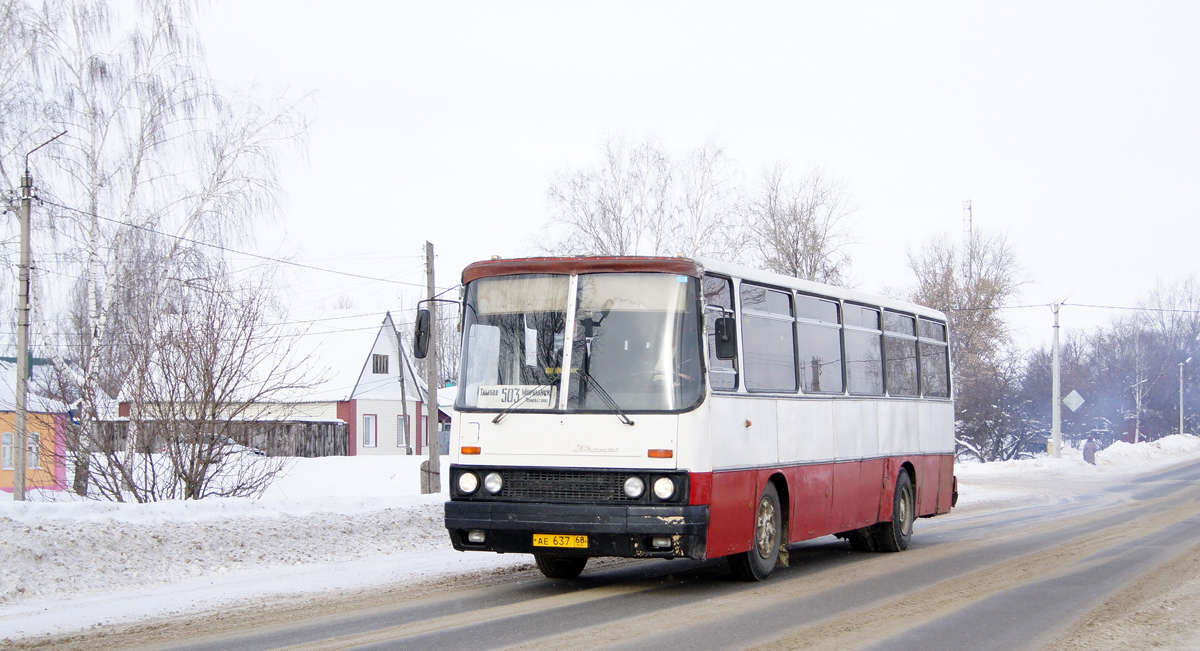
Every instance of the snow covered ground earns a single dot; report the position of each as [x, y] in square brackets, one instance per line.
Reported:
[333, 524]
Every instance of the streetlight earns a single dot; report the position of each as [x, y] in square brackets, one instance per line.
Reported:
[1181, 393]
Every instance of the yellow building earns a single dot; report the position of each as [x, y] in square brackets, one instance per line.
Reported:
[43, 456]
[45, 422]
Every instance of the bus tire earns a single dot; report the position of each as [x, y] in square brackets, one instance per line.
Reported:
[757, 564]
[560, 567]
[893, 535]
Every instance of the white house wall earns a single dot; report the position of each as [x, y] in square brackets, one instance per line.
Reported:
[387, 413]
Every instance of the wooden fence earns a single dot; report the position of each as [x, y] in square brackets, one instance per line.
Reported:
[276, 438]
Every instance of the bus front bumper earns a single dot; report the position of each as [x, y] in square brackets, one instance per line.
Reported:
[626, 531]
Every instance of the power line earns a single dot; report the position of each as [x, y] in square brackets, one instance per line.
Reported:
[1161, 310]
[997, 307]
[231, 250]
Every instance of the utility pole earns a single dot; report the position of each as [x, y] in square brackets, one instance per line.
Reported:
[431, 480]
[1181, 393]
[1056, 399]
[21, 445]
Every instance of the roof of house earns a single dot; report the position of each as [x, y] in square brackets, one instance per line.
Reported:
[338, 347]
[34, 402]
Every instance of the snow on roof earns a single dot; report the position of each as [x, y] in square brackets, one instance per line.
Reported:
[337, 346]
[34, 402]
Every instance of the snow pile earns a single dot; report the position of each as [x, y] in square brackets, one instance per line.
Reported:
[1118, 458]
[1164, 451]
[329, 509]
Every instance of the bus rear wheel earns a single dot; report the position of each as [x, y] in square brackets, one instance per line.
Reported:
[893, 535]
[560, 567]
[757, 564]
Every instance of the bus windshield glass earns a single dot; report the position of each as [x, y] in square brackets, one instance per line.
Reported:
[635, 343]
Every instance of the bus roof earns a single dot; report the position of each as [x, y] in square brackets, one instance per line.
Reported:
[686, 266]
[582, 265]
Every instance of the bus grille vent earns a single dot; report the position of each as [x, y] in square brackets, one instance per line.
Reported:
[564, 486]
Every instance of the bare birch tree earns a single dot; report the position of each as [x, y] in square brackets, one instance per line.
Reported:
[801, 226]
[640, 200]
[153, 146]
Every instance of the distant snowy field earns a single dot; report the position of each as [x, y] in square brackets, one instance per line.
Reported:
[331, 524]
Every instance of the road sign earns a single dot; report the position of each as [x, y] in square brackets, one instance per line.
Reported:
[1073, 400]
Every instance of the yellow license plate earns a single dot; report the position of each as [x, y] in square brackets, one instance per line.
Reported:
[560, 540]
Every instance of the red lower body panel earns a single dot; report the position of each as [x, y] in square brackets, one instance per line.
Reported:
[820, 499]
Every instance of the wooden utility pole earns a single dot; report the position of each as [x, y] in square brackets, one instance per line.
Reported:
[431, 479]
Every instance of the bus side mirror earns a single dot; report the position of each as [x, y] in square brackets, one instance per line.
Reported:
[421, 336]
[726, 327]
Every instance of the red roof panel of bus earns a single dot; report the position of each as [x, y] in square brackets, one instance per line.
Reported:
[514, 266]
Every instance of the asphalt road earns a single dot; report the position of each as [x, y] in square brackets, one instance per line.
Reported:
[1064, 574]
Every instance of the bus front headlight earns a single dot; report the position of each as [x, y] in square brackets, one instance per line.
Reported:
[467, 483]
[664, 488]
[493, 483]
[634, 487]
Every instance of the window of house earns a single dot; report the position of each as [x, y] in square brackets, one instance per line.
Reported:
[402, 431]
[369, 431]
[718, 302]
[768, 339]
[379, 364]
[6, 451]
[819, 341]
[33, 456]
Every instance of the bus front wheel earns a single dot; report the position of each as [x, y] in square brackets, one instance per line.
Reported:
[757, 564]
[560, 567]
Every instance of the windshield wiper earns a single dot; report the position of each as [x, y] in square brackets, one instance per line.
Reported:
[612, 404]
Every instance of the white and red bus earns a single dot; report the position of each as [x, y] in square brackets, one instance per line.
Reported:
[658, 407]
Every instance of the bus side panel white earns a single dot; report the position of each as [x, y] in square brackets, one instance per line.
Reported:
[805, 431]
[937, 427]
[855, 422]
[695, 445]
[898, 422]
[744, 433]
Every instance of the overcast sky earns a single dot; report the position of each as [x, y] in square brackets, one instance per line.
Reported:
[1073, 127]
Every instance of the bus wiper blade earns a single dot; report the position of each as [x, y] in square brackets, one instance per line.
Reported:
[525, 396]
[612, 404]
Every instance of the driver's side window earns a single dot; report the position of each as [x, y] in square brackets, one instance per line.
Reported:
[718, 301]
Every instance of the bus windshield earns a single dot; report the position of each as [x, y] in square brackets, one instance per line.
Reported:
[635, 343]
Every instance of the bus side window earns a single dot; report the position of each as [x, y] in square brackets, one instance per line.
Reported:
[768, 339]
[900, 350]
[864, 354]
[819, 340]
[935, 359]
[718, 297]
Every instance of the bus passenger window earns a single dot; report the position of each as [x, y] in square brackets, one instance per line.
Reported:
[864, 357]
[935, 359]
[900, 349]
[768, 339]
[819, 341]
